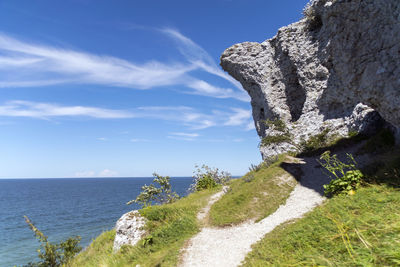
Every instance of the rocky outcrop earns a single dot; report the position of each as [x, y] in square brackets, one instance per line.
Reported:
[335, 71]
[129, 229]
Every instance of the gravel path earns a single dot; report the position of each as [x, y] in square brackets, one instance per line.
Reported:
[229, 246]
[214, 198]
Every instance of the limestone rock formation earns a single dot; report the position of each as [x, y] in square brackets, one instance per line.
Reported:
[129, 229]
[337, 70]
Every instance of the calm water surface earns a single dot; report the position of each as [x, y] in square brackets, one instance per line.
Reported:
[63, 207]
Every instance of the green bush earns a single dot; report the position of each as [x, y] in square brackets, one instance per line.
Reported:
[277, 124]
[315, 142]
[161, 195]
[346, 184]
[206, 178]
[346, 177]
[53, 255]
[276, 139]
[205, 183]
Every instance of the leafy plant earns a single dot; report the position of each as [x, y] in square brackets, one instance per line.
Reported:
[346, 177]
[206, 178]
[161, 195]
[53, 255]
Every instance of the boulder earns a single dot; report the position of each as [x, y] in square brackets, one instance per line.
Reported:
[129, 229]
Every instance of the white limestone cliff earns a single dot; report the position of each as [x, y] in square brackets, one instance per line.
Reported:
[337, 70]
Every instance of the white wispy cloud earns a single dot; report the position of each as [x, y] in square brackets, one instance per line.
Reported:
[198, 56]
[183, 115]
[79, 67]
[200, 59]
[25, 64]
[183, 136]
[239, 117]
[46, 110]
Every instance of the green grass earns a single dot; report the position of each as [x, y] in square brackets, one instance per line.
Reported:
[254, 196]
[168, 227]
[347, 230]
[358, 230]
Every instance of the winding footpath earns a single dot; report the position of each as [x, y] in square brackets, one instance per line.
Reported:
[229, 246]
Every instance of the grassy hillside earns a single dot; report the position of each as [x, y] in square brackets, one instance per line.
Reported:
[169, 226]
[358, 230]
[255, 196]
[347, 230]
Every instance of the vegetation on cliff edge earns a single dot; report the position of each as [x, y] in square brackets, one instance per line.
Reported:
[168, 227]
[255, 196]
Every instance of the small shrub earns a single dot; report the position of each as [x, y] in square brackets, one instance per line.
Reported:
[255, 167]
[53, 255]
[248, 178]
[265, 164]
[314, 21]
[277, 124]
[353, 133]
[276, 139]
[161, 195]
[206, 177]
[346, 177]
[315, 142]
[206, 182]
[270, 160]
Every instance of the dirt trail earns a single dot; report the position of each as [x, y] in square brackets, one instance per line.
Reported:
[229, 246]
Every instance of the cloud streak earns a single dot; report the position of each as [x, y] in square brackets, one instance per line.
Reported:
[39, 110]
[24, 64]
[183, 115]
[184, 136]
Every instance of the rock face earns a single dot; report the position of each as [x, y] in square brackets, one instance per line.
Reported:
[129, 229]
[335, 71]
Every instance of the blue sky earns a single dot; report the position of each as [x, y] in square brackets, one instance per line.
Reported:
[93, 88]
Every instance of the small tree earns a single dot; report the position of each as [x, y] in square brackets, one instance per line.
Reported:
[161, 195]
[346, 176]
[206, 177]
[53, 255]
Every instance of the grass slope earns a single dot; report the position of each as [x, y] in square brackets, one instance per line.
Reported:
[168, 226]
[358, 230]
[254, 196]
[348, 230]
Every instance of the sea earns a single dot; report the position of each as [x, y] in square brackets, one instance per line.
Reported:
[65, 207]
